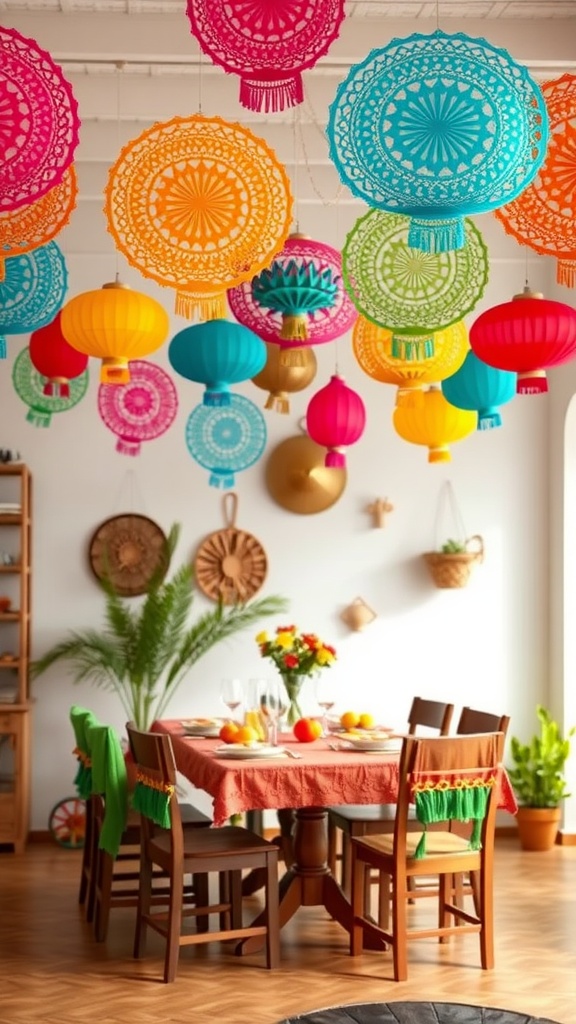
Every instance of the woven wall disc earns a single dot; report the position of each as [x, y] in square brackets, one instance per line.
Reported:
[230, 564]
[129, 549]
[297, 478]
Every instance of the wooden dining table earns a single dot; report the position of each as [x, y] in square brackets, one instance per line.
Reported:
[315, 779]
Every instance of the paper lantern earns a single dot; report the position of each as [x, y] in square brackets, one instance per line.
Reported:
[280, 380]
[226, 439]
[322, 323]
[526, 335]
[433, 423]
[544, 214]
[199, 205]
[427, 358]
[406, 289]
[481, 388]
[32, 292]
[114, 324]
[30, 387]
[39, 121]
[267, 44]
[335, 419]
[217, 354]
[437, 127]
[295, 290]
[55, 359]
[37, 223]
[140, 410]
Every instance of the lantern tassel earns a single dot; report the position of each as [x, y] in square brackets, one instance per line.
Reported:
[269, 96]
[335, 459]
[440, 454]
[278, 402]
[412, 349]
[114, 371]
[2, 347]
[57, 388]
[293, 356]
[532, 382]
[215, 398]
[38, 417]
[205, 307]
[293, 327]
[126, 446]
[566, 273]
[488, 419]
[223, 478]
[436, 235]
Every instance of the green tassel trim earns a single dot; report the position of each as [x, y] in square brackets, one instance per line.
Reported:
[420, 851]
[152, 803]
[463, 804]
[410, 349]
[83, 781]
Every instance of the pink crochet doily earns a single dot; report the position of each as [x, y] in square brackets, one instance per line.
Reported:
[267, 43]
[38, 121]
[322, 324]
[142, 409]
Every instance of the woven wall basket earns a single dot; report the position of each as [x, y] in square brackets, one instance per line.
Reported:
[452, 570]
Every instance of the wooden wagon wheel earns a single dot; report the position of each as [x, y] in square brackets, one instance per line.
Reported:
[230, 564]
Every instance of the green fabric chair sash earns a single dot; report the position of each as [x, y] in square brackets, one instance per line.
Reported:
[461, 796]
[152, 799]
[109, 778]
[82, 720]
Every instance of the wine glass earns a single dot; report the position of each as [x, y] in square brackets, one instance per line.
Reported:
[273, 704]
[232, 694]
[326, 699]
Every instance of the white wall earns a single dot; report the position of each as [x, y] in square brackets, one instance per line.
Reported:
[486, 645]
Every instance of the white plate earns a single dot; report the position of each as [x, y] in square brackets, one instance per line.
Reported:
[241, 753]
[375, 745]
[209, 727]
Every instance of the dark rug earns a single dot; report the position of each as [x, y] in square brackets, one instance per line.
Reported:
[415, 1013]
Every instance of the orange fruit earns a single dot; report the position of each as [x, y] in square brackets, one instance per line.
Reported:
[349, 720]
[307, 729]
[228, 732]
[246, 734]
[367, 721]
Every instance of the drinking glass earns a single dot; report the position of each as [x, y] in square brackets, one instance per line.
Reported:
[273, 704]
[232, 694]
[325, 698]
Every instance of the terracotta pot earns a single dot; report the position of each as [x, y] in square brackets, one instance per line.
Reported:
[538, 827]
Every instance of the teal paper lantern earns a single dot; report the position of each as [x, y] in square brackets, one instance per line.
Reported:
[477, 386]
[217, 353]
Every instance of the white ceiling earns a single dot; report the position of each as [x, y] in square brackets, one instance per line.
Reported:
[355, 8]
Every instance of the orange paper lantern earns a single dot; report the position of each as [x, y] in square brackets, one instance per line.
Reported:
[434, 423]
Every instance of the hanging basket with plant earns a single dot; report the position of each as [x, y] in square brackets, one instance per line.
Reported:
[451, 564]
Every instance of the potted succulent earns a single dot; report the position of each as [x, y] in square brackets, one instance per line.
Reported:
[143, 654]
[451, 566]
[537, 776]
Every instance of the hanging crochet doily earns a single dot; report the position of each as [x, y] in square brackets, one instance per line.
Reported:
[324, 323]
[32, 291]
[38, 121]
[544, 215]
[38, 223]
[406, 289]
[438, 127]
[199, 205]
[141, 410]
[29, 385]
[268, 43]
[226, 439]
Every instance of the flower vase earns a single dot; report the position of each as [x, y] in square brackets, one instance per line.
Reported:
[293, 684]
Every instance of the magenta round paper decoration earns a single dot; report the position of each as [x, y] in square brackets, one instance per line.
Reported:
[268, 43]
[38, 121]
[140, 410]
[322, 324]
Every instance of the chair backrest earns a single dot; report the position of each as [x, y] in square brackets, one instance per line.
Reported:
[472, 720]
[154, 795]
[449, 778]
[431, 714]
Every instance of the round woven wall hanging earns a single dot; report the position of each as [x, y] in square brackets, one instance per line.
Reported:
[128, 549]
[230, 564]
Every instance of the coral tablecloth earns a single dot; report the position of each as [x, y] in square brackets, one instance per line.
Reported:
[320, 778]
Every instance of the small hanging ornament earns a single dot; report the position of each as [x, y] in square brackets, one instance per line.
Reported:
[198, 204]
[217, 354]
[39, 222]
[379, 509]
[40, 121]
[114, 324]
[335, 419]
[142, 409]
[543, 216]
[433, 423]
[280, 380]
[226, 439]
[55, 359]
[30, 387]
[438, 127]
[32, 292]
[296, 285]
[405, 289]
[267, 44]
[526, 335]
[482, 388]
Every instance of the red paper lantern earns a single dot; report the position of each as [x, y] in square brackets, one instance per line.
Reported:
[526, 335]
[55, 359]
[335, 418]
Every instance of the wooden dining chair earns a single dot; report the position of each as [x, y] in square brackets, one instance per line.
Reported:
[448, 778]
[225, 851]
[347, 820]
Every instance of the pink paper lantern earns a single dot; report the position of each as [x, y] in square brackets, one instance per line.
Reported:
[335, 418]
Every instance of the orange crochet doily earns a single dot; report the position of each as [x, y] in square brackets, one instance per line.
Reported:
[39, 222]
[544, 215]
[199, 205]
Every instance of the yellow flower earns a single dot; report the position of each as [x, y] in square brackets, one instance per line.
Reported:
[284, 640]
[323, 656]
[262, 638]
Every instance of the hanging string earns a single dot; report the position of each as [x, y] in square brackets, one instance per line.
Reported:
[437, 15]
[130, 497]
[448, 509]
[314, 120]
[120, 65]
[295, 126]
[526, 285]
[200, 79]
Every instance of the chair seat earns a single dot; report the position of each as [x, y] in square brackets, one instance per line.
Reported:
[437, 843]
[228, 841]
[365, 812]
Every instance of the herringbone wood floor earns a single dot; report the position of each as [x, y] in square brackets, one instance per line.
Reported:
[52, 971]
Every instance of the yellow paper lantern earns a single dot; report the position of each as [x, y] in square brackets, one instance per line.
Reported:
[434, 423]
[278, 379]
[114, 324]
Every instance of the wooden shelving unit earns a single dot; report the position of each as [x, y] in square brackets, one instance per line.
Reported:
[15, 705]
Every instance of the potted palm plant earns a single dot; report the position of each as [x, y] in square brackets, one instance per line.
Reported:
[539, 782]
[143, 654]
